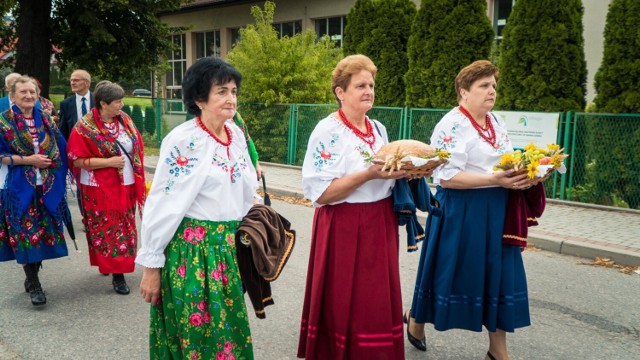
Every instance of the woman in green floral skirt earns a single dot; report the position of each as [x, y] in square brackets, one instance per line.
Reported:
[203, 186]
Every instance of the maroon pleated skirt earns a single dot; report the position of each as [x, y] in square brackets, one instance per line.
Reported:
[353, 303]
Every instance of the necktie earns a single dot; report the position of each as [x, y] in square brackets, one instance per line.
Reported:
[84, 106]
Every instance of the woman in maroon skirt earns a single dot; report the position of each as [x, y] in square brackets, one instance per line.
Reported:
[352, 306]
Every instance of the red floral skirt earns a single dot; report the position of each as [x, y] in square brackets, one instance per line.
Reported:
[111, 233]
[353, 304]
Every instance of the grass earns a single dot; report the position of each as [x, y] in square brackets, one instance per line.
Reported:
[151, 151]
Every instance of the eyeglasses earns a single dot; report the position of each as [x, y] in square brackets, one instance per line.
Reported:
[77, 80]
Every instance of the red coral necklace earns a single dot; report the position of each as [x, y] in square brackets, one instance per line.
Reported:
[369, 137]
[488, 134]
[217, 139]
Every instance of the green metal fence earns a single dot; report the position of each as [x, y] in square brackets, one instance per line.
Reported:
[603, 166]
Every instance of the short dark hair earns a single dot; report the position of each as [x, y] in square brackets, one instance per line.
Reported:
[201, 76]
[108, 92]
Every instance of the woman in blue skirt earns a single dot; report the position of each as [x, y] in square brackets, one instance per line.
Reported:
[467, 277]
[32, 186]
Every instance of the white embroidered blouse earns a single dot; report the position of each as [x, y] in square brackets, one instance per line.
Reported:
[334, 151]
[469, 152]
[199, 178]
[87, 177]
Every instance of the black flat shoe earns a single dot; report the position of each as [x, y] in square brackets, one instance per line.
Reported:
[490, 356]
[37, 297]
[120, 285]
[420, 344]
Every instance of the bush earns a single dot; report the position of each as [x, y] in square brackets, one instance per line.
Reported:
[138, 119]
[150, 142]
[150, 120]
[616, 84]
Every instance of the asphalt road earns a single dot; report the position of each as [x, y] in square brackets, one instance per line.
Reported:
[578, 311]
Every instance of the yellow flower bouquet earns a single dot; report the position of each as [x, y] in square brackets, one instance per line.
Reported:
[538, 163]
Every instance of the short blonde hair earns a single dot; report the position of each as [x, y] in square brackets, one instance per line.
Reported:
[346, 68]
[476, 70]
[23, 79]
[83, 73]
[9, 79]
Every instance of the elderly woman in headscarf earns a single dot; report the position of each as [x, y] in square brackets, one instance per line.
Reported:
[105, 153]
[32, 186]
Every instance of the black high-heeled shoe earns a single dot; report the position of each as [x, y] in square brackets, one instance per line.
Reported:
[420, 344]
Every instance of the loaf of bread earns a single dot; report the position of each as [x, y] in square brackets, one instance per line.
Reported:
[401, 148]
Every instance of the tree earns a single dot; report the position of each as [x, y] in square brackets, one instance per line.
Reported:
[288, 70]
[446, 36]
[617, 79]
[119, 40]
[360, 20]
[542, 63]
[380, 29]
[618, 166]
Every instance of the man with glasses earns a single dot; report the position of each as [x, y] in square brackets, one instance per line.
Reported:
[77, 105]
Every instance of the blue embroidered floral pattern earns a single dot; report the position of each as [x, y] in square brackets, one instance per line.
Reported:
[323, 157]
[179, 165]
[447, 140]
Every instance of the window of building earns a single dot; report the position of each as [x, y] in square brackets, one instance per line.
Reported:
[234, 34]
[502, 10]
[288, 28]
[177, 59]
[334, 27]
[207, 44]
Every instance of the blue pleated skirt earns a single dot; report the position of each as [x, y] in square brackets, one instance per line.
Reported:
[467, 278]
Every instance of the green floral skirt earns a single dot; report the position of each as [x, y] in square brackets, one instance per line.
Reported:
[201, 314]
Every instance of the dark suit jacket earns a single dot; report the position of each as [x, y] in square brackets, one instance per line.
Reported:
[69, 114]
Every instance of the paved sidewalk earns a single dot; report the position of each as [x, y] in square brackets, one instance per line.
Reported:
[582, 230]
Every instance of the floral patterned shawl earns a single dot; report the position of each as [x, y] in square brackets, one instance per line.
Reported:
[89, 138]
[20, 186]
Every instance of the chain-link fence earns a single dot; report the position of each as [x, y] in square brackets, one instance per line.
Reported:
[604, 162]
[603, 166]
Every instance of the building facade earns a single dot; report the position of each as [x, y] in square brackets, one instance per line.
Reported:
[214, 27]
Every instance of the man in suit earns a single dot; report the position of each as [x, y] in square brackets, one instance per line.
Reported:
[5, 102]
[77, 105]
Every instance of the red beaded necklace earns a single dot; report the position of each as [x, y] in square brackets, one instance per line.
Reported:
[489, 135]
[113, 128]
[369, 137]
[217, 139]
